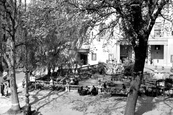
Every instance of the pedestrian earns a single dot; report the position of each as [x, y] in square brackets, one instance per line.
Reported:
[2, 89]
[51, 83]
[23, 83]
[6, 89]
[88, 90]
[67, 85]
[94, 91]
[123, 89]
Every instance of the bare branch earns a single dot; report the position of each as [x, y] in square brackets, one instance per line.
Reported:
[166, 18]
[155, 14]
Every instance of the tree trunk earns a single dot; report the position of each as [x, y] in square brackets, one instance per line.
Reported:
[1, 59]
[1, 78]
[49, 70]
[140, 55]
[15, 107]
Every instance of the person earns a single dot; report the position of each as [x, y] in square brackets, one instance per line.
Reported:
[67, 85]
[99, 82]
[123, 88]
[94, 91]
[6, 89]
[104, 87]
[88, 91]
[99, 86]
[23, 83]
[51, 83]
[2, 89]
[80, 89]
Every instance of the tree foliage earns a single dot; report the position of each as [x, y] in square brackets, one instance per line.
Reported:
[54, 33]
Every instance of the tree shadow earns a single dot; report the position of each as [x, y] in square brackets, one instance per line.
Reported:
[49, 101]
[36, 99]
[101, 105]
[146, 104]
[171, 107]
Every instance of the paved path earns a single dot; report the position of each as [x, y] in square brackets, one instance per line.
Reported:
[5, 102]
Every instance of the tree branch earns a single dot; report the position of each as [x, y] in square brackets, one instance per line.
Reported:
[7, 60]
[166, 18]
[20, 44]
[155, 14]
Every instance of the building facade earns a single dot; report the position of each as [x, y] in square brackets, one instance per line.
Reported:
[160, 50]
[160, 47]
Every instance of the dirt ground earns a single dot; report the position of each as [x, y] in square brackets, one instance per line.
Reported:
[70, 103]
[73, 104]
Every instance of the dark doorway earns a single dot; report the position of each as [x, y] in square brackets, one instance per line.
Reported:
[84, 58]
[125, 52]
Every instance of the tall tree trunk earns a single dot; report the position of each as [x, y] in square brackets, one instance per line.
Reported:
[140, 55]
[1, 75]
[1, 59]
[15, 107]
[1, 68]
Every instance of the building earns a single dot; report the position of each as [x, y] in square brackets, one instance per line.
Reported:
[160, 42]
[160, 46]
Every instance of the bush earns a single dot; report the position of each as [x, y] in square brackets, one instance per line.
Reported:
[128, 68]
[101, 68]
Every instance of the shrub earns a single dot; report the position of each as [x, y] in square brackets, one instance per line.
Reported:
[128, 68]
[101, 68]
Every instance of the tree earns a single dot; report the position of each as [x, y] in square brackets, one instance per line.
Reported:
[52, 30]
[136, 19]
[9, 13]
[1, 37]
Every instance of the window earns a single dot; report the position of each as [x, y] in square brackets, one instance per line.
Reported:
[157, 29]
[93, 57]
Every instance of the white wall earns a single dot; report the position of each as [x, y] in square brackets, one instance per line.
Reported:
[96, 47]
[170, 51]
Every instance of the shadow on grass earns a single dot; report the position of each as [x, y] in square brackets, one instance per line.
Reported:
[146, 104]
[98, 105]
[167, 102]
[36, 99]
[149, 103]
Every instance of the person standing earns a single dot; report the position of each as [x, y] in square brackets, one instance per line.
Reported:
[2, 89]
[51, 83]
[23, 83]
[6, 86]
[68, 86]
